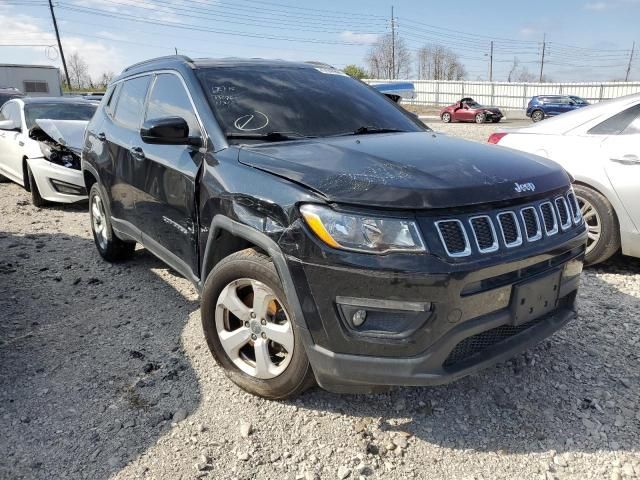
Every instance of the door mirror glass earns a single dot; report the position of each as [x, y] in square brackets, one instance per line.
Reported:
[8, 125]
[168, 131]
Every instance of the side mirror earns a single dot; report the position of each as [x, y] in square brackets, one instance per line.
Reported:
[168, 131]
[8, 125]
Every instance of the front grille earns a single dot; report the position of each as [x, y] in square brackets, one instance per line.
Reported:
[531, 224]
[476, 344]
[454, 237]
[484, 233]
[563, 212]
[575, 208]
[508, 229]
[549, 218]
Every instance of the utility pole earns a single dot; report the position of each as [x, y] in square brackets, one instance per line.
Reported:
[633, 47]
[491, 63]
[393, 46]
[55, 26]
[544, 47]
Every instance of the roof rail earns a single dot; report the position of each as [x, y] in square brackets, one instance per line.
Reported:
[151, 60]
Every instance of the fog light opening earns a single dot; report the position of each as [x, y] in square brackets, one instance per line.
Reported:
[359, 317]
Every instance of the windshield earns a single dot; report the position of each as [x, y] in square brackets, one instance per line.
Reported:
[58, 111]
[298, 102]
[473, 104]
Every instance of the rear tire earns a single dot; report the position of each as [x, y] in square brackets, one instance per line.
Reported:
[480, 118]
[446, 117]
[537, 115]
[256, 361]
[36, 198]
[109, 246]
[603, 228]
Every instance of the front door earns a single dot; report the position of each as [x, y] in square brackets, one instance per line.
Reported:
[167, 210]
[623, 169]
[11, 151]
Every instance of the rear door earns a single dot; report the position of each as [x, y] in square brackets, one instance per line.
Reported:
[126, 185]
[167, 207]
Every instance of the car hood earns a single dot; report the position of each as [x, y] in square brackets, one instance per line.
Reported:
[406, 170]
[68, 133]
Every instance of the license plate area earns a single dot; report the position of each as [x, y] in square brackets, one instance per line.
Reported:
[535, 298]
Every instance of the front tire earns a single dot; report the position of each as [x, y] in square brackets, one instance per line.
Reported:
[36, 198]
[446, 117]
[249, 329]
[496, 120]
[603, 229]
[537, 116]
[109, 246]
[480, 118]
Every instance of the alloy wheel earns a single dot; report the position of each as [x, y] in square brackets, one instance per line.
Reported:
[254, 328]
[537, 116]
[592, 220]
[98, 217]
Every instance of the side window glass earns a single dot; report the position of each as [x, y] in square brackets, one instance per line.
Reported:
[112, 99]
[634, 127]
[11, 111]
[618, 123]
[131, 102]
[169, 99]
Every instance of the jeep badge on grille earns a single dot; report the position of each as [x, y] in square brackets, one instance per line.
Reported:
[524, 187]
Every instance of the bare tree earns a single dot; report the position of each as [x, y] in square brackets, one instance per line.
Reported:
[436, 62]
[518, 73]
[78, 71]
[105, 79]
[381, 58]
[513, 69]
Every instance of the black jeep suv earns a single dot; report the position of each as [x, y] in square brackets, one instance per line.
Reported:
[333, 237]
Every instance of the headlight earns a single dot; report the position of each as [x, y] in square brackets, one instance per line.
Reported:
[362, 233]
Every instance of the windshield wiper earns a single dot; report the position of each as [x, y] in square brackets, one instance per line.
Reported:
[368, 129]
[268, 136]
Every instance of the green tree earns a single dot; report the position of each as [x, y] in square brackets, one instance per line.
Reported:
[355, 71]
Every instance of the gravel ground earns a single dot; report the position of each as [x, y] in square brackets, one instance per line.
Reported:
[104, 373]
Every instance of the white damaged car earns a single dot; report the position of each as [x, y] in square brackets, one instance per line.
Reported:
[40, 144]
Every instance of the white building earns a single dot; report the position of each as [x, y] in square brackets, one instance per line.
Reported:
[32, 80]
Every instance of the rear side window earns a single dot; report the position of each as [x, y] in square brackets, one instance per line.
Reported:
[168, 98]
[131, 102]
[619, 123]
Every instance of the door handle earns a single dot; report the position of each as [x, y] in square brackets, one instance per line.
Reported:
[629, 159]
[137, 153]
[102, 137]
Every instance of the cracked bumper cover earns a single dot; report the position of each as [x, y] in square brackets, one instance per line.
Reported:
[466, 303]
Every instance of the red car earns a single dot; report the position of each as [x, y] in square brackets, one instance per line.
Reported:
[468, 110]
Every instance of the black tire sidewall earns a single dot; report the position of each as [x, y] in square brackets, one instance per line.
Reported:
[446, 115]
[116, 249]
[295, 378]
[36, 198]
[609, 241]
[535, 114]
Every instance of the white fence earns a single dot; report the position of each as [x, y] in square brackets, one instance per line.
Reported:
[513, 96]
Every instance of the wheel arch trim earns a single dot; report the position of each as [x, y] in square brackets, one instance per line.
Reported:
[271, 248]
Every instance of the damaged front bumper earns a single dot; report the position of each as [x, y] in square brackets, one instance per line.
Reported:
[57, 183]
[428, 322]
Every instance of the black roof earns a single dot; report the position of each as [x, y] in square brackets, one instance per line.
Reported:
[36, 100]
[182, 61]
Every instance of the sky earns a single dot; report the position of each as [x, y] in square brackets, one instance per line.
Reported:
[586, 40]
